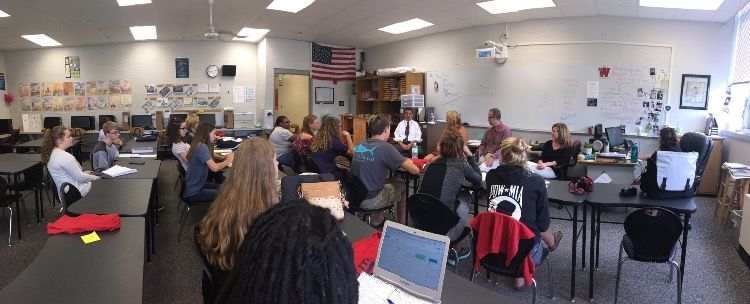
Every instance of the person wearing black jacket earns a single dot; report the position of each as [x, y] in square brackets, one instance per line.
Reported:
[516, 191]
[558, 150]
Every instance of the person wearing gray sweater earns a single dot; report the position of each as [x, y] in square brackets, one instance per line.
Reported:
[63, 167]
[442, 178]
[106, 151]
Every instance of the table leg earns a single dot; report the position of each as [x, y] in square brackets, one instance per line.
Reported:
[592, 244]
[476, 202]
[598, 235]
[18, 205]
[583, 239]
[155, 211]
[573, 255]
[685, 230]
[148, 237]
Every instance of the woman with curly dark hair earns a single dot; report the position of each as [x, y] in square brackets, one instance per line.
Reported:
[293, 253]
[329, 143]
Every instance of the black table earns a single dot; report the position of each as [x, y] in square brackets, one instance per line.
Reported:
[14, 169]
[36, 145]
[557, 192]
[139, 144]
[124, 197]
[69, 271]
[607, 195]
[148, 170]
[455, 289]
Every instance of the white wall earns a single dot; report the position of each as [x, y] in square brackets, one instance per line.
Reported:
[698, 48]
[4, 108]
[142, 63]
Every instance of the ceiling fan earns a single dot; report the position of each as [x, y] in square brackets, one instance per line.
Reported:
[212, 33]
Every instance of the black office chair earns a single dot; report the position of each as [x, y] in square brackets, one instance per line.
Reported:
[69, 194]
[290, 184]
[355, 194]
[296, 161]
[561, 170]
[651, 236]
[210, 290]
[188, 204]
[697, 142]
[428, 213]
[310, 165]
[180, 180]
[495, 262]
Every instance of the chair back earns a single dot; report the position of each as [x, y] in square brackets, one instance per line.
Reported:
[3, 186]
[574, 157]
[296, 161]
[697, 142]
[652, 237]
[69, 194]
[77, 132]
[428, 213]
[355, 190]
[136, 130]
[209, 290]
[495, 262]
[290, 184]
[310, 165]
[181, 172]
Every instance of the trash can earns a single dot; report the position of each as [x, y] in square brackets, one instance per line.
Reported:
[736, 219]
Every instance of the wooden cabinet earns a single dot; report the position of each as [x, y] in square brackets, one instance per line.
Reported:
[382, 94]
[356, 126]
[431, 134]
[710, 179]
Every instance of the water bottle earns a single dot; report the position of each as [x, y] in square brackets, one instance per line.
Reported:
[432, 117]
[634, 154]
[678, 129]
[414, 151]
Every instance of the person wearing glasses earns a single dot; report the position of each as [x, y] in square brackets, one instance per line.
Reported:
[489, 148]
[106, 151]
[282, 138]
[176, 132]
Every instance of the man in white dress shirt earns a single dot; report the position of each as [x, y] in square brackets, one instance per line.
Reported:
[408, 134]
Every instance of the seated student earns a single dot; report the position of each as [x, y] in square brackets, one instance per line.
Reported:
[454, 122]
[249, 190]
[197, 189]
[515, 191]
[282, 139]
[176, 131]
[106, 151]
[558, 150]
[668, 141]
[309, 126]
[442, 179]
[489, 148]
[191, 123]
[408, 134]
[63, 167]
[117, 141]
[373, 159]
[293, 253]
[328, 144]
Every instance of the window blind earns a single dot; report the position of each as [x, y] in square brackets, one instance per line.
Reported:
[742, 47]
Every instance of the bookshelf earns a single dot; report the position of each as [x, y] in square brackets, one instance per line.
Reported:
[382, 94]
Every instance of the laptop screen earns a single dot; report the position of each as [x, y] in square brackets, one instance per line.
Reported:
[414, 258]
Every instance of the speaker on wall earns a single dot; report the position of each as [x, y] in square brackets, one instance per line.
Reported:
[228, 70]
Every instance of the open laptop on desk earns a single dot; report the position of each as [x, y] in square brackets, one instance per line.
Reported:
[410, 267]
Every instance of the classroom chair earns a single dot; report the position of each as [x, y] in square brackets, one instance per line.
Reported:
[210, 290]
[290, 184]
[184, 215]
[180, 177]
[310, 165]
[703, 145]
[355, 194]
[6, 201]
[651, 236]
[495, 262]
[6, 145]
[296, 161]
[562, 169]
[428, 213]
[69, 194]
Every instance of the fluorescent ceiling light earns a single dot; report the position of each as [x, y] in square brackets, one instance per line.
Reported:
[4, 14]
[251, 34]
[41, 39]
[507, 6]
[706, 5]
[132, 2]
[143, 32]
[291, 6]
[406, 26]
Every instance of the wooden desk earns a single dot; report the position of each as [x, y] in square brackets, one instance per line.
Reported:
[621, 173]
[69, 271]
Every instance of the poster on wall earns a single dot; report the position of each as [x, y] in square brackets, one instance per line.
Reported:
[126, 101]
[93, 104]
[182, 67]
[79, 88]
[72, 67]
[26, 104]
[126, 87]
[68, 88]
[91, 88]
[2, 81]
[24, 90]
[36, 89]
[37, 104]
[80, 103]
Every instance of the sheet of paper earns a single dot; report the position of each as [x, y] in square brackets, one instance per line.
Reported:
[662, 80]
[592, 89]
[238, 94]
[91, 237]
[249, 94]
[131, 155]
[214, 88]
[372, 290]
[603, 179]
[202, 88]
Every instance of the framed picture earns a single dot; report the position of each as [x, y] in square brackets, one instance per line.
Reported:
[694, 93]
[323, 95]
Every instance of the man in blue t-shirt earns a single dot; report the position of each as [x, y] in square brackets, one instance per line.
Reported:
[372, 160]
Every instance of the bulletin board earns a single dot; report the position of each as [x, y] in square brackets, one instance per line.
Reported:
[323, 95]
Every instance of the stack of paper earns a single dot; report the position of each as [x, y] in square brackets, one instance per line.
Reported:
[129, 155]
[118, 171]
[738, 170]
[138, 150]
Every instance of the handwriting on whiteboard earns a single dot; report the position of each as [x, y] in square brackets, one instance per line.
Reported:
[569, 95]
[451, 94]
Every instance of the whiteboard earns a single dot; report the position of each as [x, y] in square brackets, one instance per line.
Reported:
[548, 84]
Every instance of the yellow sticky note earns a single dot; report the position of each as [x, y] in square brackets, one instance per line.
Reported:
[91, 237]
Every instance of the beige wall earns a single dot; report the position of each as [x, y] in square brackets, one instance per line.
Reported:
[294, 96]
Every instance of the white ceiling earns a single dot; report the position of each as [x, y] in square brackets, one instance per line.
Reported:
[339, 22]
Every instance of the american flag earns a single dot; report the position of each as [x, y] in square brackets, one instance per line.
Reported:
[333, 63]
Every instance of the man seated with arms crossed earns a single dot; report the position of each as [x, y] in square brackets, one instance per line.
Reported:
[106, 150]
[408, 134]
[489, 148]
[372, 160]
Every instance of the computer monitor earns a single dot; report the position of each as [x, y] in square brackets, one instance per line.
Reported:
[51, 122]
[211, 117]
[614, 136]
[6, 126]
[83, 122]
[182, 116]
[142, 121]
[111, 118]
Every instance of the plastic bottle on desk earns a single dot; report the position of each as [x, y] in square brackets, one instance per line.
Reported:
[634, 154]
[678, 129]
[414, 151]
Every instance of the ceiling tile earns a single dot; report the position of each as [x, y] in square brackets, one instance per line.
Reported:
[575, 11]
[347, 17]
[632, 3]
[547, 12]
[561, 3]
[616, 10]
[694, 15]
[656, 12]
[366, 8]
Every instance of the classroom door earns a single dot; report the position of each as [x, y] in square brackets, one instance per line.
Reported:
[292, 96]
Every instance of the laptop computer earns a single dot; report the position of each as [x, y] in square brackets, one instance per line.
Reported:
[412, 261]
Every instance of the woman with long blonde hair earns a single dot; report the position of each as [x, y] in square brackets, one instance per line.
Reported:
[329, 143]
[558, 150]
[249, 190]
[454, 123]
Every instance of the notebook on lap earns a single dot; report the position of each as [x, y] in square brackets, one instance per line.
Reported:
[411, 262]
